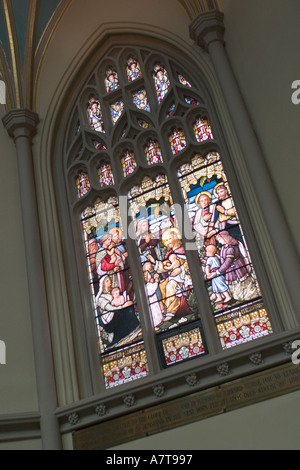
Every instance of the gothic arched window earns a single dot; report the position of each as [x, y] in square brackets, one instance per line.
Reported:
[162, 236]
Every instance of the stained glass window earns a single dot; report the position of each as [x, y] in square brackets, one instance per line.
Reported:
[182, 346]
[113, 295]
[231, 281]
[191, 101]
[140, 100]
[116, 110]
[170, 110]
[82, 184]
[177, 141]
[143, 123]
[111, 80]
[105, 175]
[151, 159]
[161, 81]
[167, 278]
[133, 69]
[202, 129]
[183, 81]
[128, 163]
[98, 145]
[153, 152]
[95, 115]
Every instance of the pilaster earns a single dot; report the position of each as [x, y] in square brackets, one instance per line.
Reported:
[21, 126]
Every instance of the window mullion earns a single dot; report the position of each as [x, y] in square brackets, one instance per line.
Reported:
[144, 314]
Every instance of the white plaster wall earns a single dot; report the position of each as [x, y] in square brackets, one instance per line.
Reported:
[263, 42]
[78, 25]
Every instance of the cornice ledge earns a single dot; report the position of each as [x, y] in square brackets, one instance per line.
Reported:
[198, 375]
[22, 121]
[208, 27]
[19, 426]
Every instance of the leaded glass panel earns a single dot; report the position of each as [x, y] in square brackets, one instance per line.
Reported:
[116, 314]
[116, 110]
[111, 80]
[140, 100]
[161, 81]
[146, 158]
[177, 141]
[231, 281]
[153, 152]
[105, 175]
[95, 115]
[167, 278]
[133, 69]
[202, 130]
[82, 184]
[128, 163]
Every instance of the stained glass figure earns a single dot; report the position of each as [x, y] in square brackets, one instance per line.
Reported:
[140, 100]
[161, 81]
[202, 130]
[128, 163]
[105, 175]
[95, 115]
[183, 81]
[177, 141]
[111, 80]
[116, 313]
[167, 279]
[231, 281]
[82, 184]
[153, 152]
[116, 110]
[133, 69]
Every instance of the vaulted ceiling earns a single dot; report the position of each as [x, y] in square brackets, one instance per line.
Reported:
[24, 28]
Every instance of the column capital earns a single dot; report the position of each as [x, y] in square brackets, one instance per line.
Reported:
[208, 27]
[20, 122]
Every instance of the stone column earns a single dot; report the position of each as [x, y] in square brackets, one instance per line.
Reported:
[207, 30]
[21, 126]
